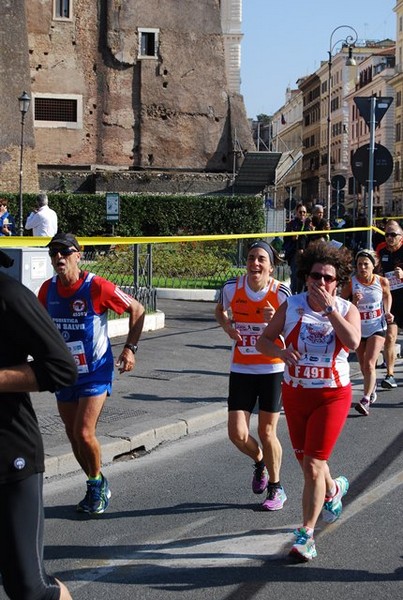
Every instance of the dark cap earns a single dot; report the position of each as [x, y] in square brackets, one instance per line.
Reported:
[64, 239]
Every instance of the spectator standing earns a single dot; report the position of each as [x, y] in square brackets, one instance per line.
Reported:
[28, 331]
[78, 302]
[7, 223]
[371, 295]
[42, 220]
[378, 239]
[318, 223]
[252, 300]
[391, 263]
[295, 245]
[319, 329]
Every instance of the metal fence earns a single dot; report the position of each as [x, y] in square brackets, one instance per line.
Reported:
[141, 268]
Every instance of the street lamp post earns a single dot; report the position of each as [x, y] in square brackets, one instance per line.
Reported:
[349, 41]
[24, 101]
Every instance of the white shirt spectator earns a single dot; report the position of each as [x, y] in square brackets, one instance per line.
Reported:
[43, 222]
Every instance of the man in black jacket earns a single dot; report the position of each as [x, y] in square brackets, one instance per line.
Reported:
[295, 245]
[33, 357]
[391, 263]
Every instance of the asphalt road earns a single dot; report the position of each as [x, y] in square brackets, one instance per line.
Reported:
[183, 522]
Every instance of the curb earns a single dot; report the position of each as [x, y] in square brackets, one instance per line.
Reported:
[61, 460]
[179, 294]
[152, 322]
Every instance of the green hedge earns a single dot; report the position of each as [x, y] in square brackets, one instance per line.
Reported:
[85, 214]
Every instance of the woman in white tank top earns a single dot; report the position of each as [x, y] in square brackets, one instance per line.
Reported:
[371, 295]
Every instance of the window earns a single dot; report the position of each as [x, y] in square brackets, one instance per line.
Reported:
[62, 9]
[398, 132]
[58, 110]
[148, 43]
[398, 98]
[397, 171]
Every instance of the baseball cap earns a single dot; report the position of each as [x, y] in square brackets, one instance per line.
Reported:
[64, 239]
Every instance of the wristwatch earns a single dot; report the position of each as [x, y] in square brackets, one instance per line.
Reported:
[131, 347]
[328, 310]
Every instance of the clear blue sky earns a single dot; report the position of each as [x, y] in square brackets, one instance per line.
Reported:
[284, 40]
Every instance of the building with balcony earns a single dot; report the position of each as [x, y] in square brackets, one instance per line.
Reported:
[287, 139]
[311, 134]
[397, 83]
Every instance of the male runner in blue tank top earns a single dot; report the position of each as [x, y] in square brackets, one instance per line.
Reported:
[78, 302]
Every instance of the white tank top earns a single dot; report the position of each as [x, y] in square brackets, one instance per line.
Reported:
[370, 306]
[323, 361]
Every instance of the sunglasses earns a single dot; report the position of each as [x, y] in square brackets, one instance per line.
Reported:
[63, 251]
[318, 276]
[302, 212]
[392, 234]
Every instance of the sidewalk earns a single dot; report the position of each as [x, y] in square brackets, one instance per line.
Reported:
[179, 387]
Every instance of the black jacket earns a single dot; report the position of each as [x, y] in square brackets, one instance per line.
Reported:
[27, 333]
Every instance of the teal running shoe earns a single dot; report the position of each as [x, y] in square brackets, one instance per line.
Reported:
[84, 504]
[332, 508]
[96, 499]
[304, 548]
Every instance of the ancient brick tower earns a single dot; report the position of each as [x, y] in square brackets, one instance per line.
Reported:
[14, 79]
[140, 84]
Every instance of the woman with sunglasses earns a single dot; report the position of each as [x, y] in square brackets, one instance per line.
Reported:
[371, 295]
[319, 329]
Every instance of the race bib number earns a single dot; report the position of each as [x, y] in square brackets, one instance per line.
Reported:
[77, 351]
[368, 313]
[394, 282]
[310, 372]
[250, 332]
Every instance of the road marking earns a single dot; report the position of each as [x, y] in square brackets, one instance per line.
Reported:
[229, 549]
[365, 500]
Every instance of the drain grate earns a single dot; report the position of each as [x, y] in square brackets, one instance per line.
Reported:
[109, 415]
[51, 424]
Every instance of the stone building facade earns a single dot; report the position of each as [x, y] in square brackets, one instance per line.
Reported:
[14, 79]
[135, 85]
[397, 83]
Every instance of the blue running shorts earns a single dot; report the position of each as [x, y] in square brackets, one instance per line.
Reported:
[74, 392]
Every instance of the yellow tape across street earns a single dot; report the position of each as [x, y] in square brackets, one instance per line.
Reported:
[29, 241]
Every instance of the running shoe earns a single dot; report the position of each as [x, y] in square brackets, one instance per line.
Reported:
[83, 505]
[389, 382]
[275, 498]
[96, 499]
[303, 548]
[373, 395]
[332, 508]
[260, 479]
[363, 407]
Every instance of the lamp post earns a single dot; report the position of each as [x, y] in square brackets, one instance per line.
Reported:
[24, 101]
[349, 41]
